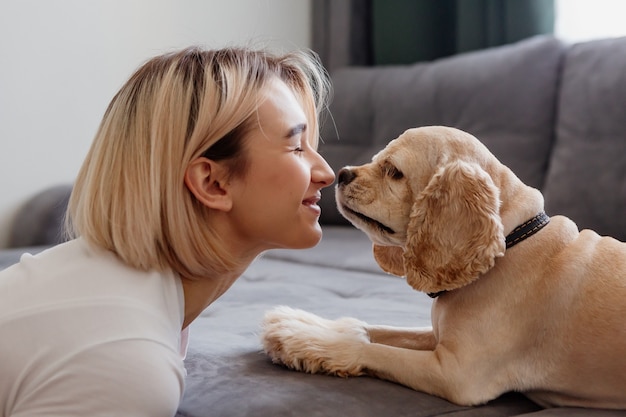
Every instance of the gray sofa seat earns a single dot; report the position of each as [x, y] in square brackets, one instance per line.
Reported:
[228, 375]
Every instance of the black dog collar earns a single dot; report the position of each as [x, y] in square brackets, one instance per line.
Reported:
[527, 229]
[521, 232]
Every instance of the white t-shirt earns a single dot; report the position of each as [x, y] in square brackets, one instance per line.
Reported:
[83, 334]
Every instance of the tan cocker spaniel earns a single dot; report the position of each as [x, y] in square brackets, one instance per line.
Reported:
[522, 302]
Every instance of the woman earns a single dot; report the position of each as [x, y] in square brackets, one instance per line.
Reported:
[203, 160]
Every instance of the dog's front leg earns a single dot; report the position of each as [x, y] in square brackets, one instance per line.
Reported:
[306, 342]
[421, 338]
[439, 372]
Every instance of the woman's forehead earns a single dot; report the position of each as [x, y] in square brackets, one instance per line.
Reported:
[281, 110]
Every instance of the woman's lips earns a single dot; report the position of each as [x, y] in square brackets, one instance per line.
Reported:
[311, 203]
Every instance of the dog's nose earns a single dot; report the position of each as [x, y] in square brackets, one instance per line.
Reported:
[346, 175]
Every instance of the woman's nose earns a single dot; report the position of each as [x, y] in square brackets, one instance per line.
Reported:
[321, 172]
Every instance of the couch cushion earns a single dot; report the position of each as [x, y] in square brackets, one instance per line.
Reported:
[40, 221]
[506, 96]
[587, 175]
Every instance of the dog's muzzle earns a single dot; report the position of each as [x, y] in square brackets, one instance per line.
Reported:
[344, 177]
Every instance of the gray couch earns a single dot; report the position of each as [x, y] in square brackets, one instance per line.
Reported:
[555, 113]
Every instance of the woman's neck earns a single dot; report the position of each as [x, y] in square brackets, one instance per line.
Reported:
[199, 293]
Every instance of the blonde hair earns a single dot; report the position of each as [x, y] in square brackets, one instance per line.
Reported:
[130, 196]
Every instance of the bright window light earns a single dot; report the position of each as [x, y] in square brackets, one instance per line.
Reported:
[582, 20]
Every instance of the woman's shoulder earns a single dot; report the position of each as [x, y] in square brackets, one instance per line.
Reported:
[66, 253]
[75, 272]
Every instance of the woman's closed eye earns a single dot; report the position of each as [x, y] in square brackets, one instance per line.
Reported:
[295, 135]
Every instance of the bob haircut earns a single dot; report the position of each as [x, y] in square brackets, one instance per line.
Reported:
[130, 196]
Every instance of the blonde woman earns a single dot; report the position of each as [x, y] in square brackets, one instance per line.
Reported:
[203, 160]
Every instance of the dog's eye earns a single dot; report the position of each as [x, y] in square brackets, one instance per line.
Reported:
[392, 172]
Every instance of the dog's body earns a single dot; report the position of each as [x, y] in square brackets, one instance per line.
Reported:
[545, 317]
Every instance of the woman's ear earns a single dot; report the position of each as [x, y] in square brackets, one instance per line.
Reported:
[389, 258]
[455, 231]
[206, 180]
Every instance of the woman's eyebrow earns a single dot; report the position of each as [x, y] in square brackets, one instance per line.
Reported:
[296, 130]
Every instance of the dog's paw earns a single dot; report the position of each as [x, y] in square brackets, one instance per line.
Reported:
[308, 343]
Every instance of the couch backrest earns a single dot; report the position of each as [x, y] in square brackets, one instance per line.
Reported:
[587, 176]
[505, 96]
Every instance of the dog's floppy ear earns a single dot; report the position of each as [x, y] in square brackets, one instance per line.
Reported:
[455, 231]
[390, 259]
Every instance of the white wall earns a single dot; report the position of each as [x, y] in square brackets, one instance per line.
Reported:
[61, 61]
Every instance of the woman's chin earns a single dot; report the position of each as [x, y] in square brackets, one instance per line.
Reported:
[315, 238]
[309, 238]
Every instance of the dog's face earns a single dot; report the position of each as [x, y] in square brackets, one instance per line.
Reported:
[429, 206]
[377, 197]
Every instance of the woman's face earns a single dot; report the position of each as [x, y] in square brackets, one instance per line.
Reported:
[275, 202]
